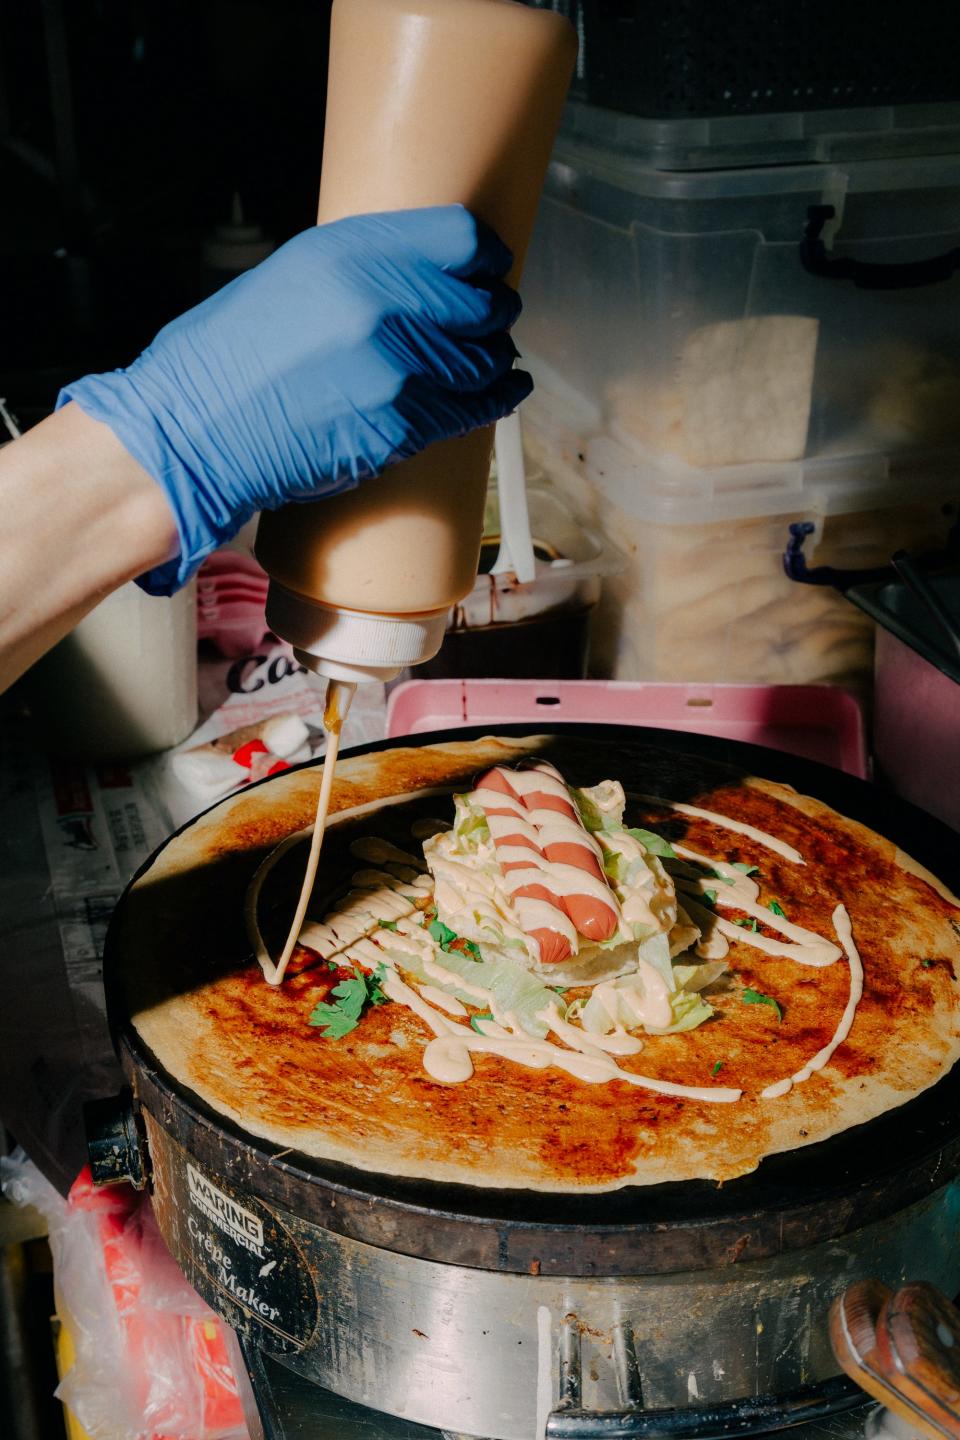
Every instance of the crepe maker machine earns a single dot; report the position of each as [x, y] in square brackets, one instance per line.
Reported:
[683, 1309]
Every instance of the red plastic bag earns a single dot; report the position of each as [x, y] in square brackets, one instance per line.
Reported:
[151, 1359]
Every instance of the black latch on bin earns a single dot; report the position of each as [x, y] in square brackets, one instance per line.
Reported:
[868, 275]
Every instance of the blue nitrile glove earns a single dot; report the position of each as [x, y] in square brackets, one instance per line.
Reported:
[355, 345]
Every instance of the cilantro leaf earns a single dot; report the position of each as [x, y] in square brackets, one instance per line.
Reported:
[717, 1068]
[484, 1015]
[754, 997]
[387, 924]
[710, 896]
[654, 843]
[750, 924]
[352, 995]
[562, 989]
[448, 940]
[774, 905]
[746, 869]
[334, 1022]
[374, 987]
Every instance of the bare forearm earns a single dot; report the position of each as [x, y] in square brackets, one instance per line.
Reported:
[79, 517]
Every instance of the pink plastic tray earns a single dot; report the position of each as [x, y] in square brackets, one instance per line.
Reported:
[818, 722]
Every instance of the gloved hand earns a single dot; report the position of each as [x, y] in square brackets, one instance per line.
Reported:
[355, 345]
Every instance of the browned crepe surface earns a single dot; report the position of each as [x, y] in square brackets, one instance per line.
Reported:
[201, 1005]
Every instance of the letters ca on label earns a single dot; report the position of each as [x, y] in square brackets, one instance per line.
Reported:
[253, 672]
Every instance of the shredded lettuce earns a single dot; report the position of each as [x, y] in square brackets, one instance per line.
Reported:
[684, 983]
[689, 1011]
[601, 806]
[600, 1013]
[655, 844]
[697, 977]
[656, 952]
[617, 866]
[601, 809]
[598, 1017]
[594, 1016]
[470, 824]
[634, 871]
[625, 866]
[468, 883]
[515, 991]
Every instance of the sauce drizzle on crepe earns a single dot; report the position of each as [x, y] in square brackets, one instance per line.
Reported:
[384, 920]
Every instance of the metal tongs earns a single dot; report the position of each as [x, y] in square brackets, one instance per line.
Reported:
[903, 1348]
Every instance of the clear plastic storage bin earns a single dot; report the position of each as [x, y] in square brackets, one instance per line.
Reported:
[698, 389]
[675, 309]
[703, 594]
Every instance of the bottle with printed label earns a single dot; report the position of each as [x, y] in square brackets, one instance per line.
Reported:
[430, 102]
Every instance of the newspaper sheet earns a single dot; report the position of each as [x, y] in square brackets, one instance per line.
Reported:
[74, 834]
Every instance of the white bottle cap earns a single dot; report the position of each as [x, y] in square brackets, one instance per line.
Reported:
[352, 644]
[236, 245]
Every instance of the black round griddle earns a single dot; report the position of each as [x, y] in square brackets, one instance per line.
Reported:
[792, 1201]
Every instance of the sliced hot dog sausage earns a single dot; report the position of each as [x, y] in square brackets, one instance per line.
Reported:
[541, 912]
[566, 842]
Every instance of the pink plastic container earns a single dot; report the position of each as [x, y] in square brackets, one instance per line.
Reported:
[231, 595]
[916, 731]
[818, 722]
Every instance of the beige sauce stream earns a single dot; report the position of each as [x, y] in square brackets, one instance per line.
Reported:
[841, 924]
[339, 695]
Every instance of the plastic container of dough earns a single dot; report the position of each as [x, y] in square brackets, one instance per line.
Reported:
[720, 352]
[702, 595]
[767, 315]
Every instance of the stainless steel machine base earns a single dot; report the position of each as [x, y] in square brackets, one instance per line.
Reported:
[511, 1356]
[280, 1405]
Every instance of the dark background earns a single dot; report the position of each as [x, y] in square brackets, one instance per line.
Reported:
[127, 125]
[125, 128]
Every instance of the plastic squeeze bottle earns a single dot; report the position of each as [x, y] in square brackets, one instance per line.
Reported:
[430, 102]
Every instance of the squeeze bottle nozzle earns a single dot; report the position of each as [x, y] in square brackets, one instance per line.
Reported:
[353, 645]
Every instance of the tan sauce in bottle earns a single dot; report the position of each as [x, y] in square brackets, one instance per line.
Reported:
[430, 102]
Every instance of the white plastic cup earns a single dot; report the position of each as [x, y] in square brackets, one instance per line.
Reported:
[123, 683]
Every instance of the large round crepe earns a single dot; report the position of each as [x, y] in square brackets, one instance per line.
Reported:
[199, 1002]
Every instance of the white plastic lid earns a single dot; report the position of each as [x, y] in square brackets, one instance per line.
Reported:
[352, 644]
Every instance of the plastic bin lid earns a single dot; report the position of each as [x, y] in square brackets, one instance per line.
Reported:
[659, 489]
[581, 163]
[871, 132]
[894, 606]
